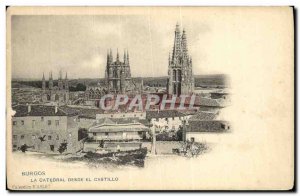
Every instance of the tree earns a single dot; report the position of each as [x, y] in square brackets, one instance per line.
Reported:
[63, 147]
[80, 87]
[179, 133]
[24, 148]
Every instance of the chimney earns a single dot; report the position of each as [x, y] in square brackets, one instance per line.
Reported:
[56, 109]
[29, 108]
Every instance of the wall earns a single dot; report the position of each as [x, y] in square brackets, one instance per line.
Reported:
[140, 115]
[115, 135]
[172, 124]
[206, 137]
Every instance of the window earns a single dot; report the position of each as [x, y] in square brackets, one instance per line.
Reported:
[15, 137]
[49, 137]
[15, 146]
[42, 118]
[172, 118]
[56, 122]
[112, 116]
[14, 122]
[22, 122]
[94, 134]
[33, 123]
[49, 122]
[57, 137]
[166, 119]
[106, 133]
[22, 136]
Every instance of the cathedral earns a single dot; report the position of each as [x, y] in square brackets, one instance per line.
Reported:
[180, 71]
[117, 74]
[58, 94]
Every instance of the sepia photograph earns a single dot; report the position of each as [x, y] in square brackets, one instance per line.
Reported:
[150, 98]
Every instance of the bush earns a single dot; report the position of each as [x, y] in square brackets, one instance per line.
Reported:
[63, 147]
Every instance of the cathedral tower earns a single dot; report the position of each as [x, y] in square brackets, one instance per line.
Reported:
[180, 71]
[117, 74]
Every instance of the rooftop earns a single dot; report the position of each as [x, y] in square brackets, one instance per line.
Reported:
[208, 126]
[38, 110]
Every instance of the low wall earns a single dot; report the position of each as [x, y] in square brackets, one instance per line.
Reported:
[163, 147]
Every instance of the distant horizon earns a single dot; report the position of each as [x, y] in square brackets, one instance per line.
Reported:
[54, 78]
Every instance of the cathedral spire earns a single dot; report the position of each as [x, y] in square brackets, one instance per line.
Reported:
[177, 43]
[184, 45]
[117, 56]
[110, 56]
[125, 58]
[43, 82]
[50, 81]
[66, 85]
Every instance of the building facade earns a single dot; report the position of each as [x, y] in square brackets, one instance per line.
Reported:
[44, 128]
[180, 71]
[118, 74]
[57, 94]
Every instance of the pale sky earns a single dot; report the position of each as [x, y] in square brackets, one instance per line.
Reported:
[79, 43]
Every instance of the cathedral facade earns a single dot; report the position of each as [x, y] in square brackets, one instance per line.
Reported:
[117, 74]
[180, 71]
[56, 94]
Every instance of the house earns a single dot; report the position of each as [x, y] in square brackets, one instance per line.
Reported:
[117, 129]
[116, 134]
[205, 130]
[44, 129]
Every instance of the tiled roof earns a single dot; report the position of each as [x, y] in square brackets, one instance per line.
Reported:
[38, 110]
[118, 124]
[163, 114]
[82, 112]
[204, 101]
[201, 115]
[208, 126]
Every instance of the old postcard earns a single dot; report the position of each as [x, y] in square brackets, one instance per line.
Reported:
[150, 98]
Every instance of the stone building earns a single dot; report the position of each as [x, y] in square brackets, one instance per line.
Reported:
[44, 129]
[180, 71]
[118, 74]
[56, 94]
